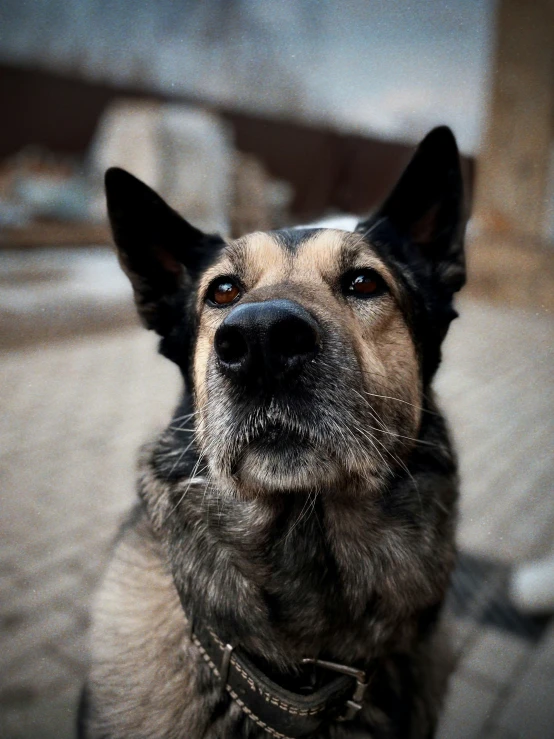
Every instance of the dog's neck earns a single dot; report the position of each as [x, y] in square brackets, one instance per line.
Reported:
[315, 575]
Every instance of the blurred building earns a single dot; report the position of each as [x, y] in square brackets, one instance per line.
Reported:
[327, 97]
[391, 70]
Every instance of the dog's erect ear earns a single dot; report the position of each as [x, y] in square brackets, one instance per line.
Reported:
[160, 252]
[426, 206]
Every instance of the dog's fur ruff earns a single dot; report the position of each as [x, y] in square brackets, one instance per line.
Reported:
[337, 540]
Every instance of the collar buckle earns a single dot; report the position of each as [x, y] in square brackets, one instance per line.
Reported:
[354, 705]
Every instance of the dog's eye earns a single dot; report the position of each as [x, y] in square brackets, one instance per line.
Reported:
[363, 283]
[223, 291]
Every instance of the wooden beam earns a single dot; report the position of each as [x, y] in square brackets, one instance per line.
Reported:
[513, 167]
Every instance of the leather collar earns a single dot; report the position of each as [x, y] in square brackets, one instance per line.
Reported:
[281, 713]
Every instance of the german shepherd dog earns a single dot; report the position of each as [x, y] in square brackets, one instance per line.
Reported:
[284, 570]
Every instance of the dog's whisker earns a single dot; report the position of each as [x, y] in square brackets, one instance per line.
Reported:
[370, 373]
[183, 452]
[404, 467]
[299, 519]
[189, 485]
[186, 417]
[386, 430]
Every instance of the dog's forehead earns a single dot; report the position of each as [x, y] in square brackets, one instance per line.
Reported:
[298, 254]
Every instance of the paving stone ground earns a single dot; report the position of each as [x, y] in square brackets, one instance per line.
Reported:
[74, 413]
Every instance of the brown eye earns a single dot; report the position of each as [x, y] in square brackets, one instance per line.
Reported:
[363, 283]
[223, 291]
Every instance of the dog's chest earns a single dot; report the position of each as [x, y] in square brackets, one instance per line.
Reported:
[282, 590]
[138, 611]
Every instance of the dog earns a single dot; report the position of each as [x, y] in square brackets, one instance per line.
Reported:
[284, 570]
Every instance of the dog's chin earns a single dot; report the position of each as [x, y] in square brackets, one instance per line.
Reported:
[261, 472]
[284, 466]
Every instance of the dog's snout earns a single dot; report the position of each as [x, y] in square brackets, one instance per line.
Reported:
[267, 341]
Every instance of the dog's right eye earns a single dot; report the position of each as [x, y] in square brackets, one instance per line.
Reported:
[223, 291]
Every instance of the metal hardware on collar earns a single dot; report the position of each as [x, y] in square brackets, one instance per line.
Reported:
[354, 705]
[225, 663]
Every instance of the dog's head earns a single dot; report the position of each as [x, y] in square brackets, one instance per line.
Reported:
[307, 352]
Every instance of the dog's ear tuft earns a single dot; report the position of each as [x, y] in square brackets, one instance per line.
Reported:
[426, 207]
[159, 251]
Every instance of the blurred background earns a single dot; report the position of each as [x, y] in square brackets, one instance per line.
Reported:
[244, 115]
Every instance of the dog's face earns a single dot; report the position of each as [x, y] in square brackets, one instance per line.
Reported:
[300, 343]
[307, 351]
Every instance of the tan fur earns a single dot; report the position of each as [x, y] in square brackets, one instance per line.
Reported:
[381, 338]
[137, 611]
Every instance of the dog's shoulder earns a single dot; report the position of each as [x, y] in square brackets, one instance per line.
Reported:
[138, 613]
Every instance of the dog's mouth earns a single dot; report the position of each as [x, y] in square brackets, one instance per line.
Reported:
[276, 448]
[271, 440]
[276, 436]
[268, 451]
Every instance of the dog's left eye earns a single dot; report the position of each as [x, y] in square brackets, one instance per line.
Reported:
[363, 283]
[223, 291]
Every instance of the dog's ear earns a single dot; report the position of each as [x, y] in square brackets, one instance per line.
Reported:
[425, 210]
[159, 251]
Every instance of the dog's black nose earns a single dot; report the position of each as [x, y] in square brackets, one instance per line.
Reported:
[264, 343]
